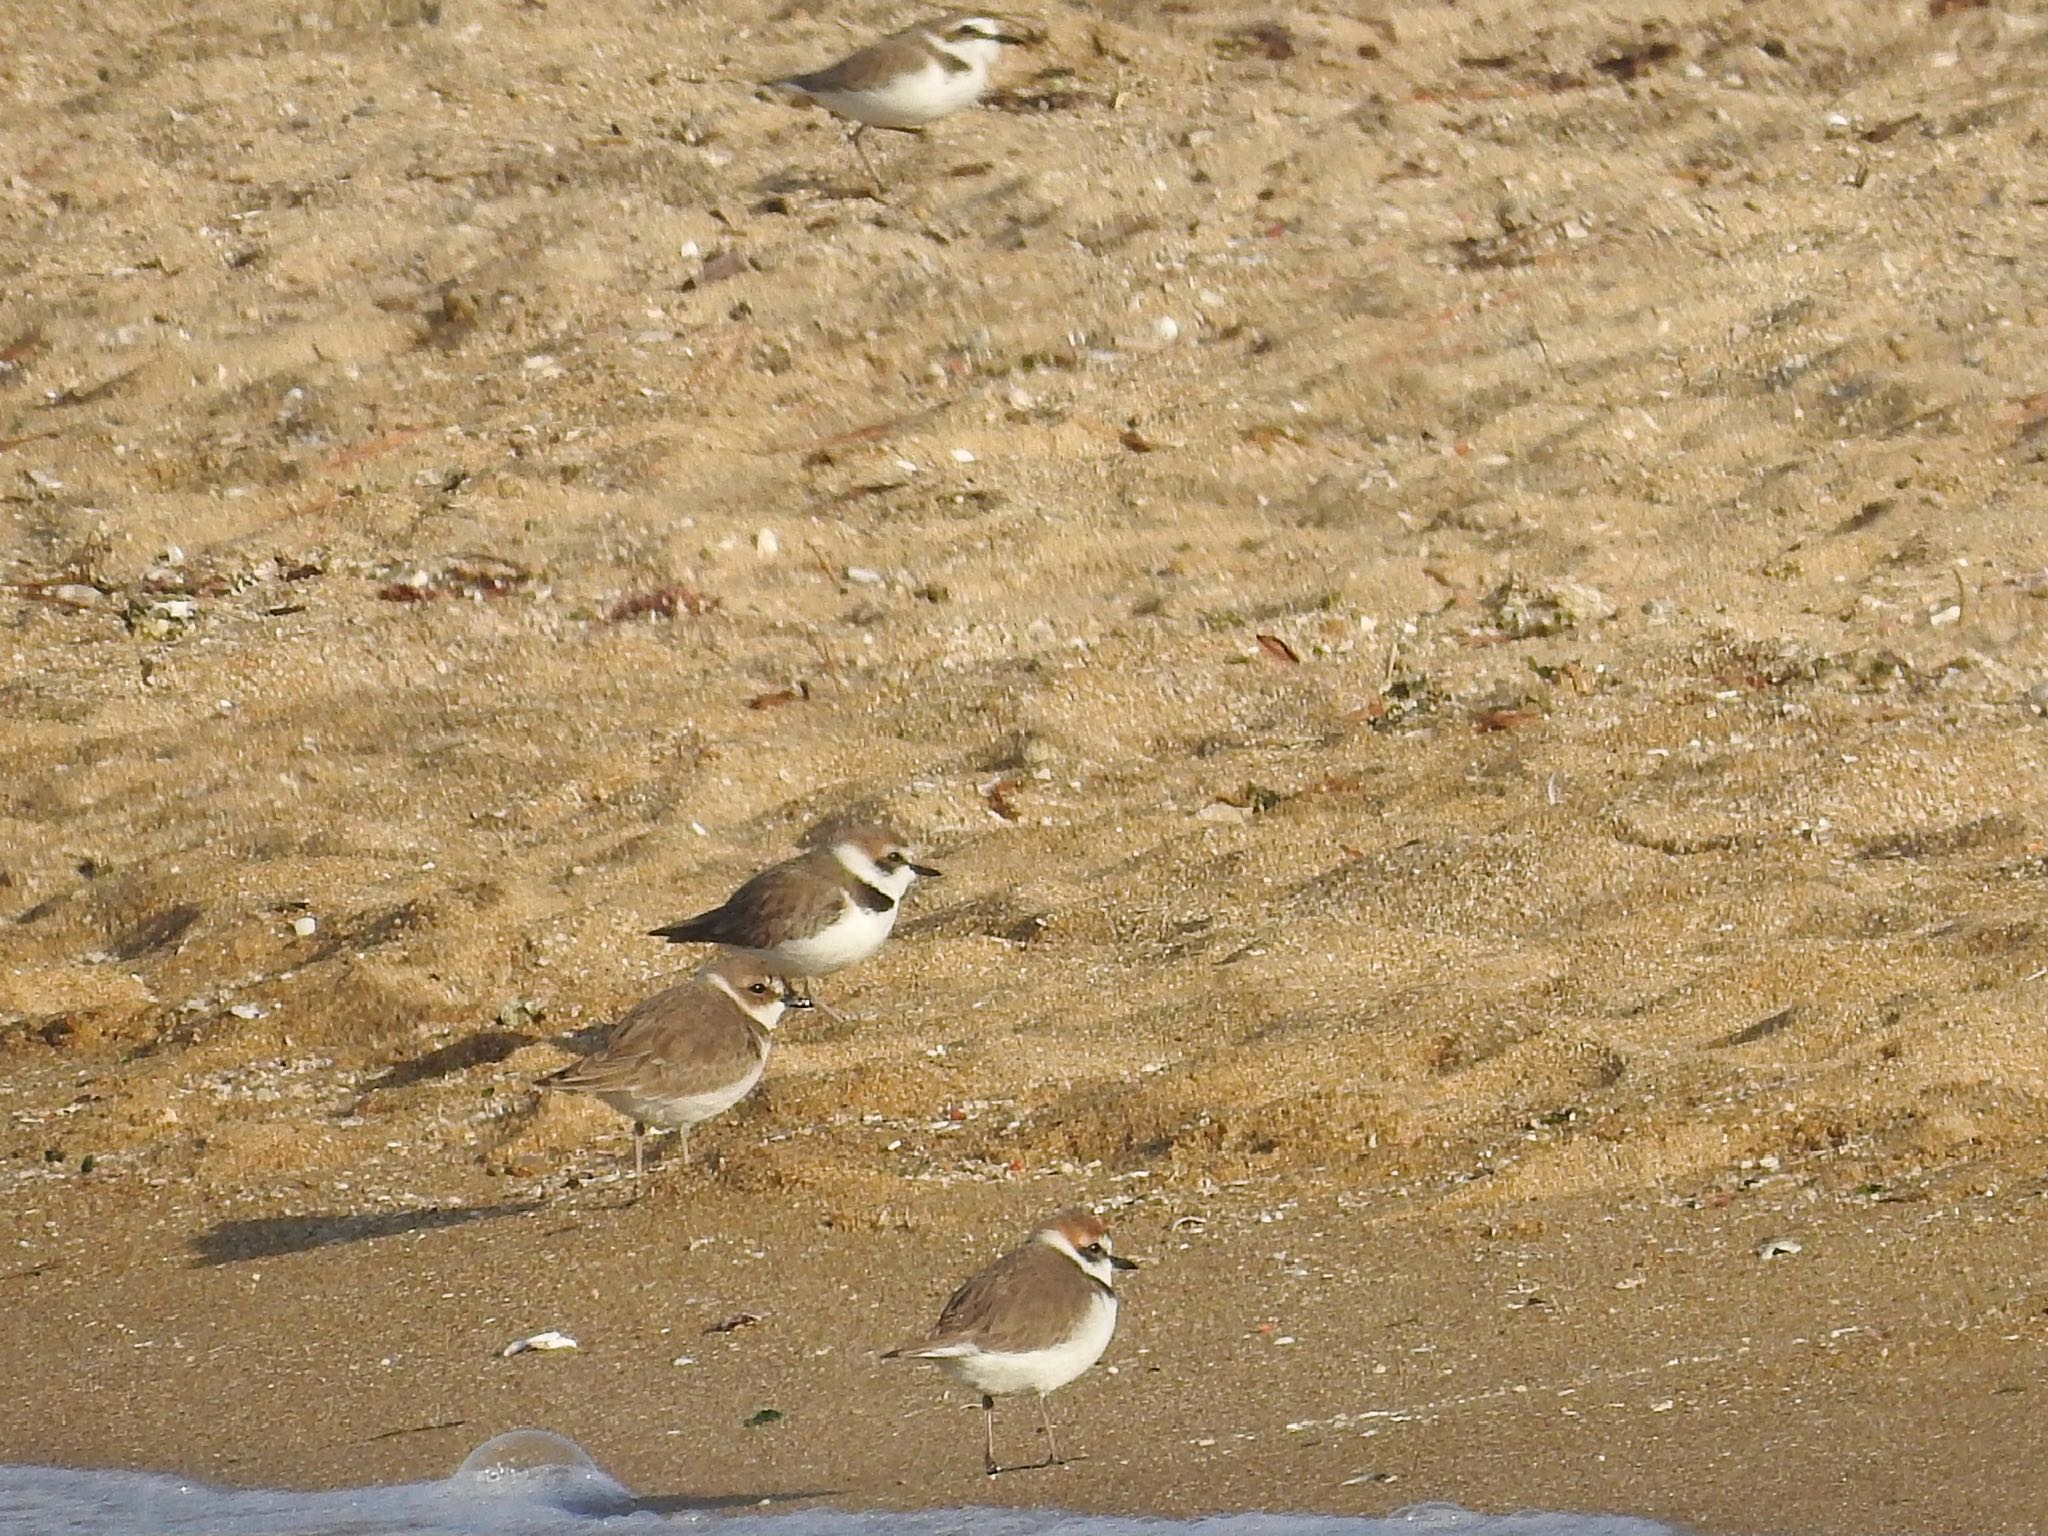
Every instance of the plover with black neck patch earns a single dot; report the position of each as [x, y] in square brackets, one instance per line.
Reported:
[908, 79]
[816, 913]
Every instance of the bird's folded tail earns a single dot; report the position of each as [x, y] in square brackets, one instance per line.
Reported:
[691, 930]
[574, 1078]
[559, 1078]
[937, 1349]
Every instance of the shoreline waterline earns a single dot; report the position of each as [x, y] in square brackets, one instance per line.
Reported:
[533, 1482]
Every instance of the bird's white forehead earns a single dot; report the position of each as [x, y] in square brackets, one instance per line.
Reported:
[865, 858]
[766, 1009]
[961, 29]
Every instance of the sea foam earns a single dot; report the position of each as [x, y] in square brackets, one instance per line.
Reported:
[531, 1482]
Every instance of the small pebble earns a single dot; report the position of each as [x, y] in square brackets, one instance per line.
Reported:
[305, 926]
[766, 544]
[861, 576]
[1779, 1247]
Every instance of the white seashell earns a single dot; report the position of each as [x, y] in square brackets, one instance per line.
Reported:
[551, 1340]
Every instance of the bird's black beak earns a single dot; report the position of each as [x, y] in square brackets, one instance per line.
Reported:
[1118, 1261]
[798, 1000]
[926, 872]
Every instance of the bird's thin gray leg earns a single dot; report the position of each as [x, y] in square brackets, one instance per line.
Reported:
[806, 987]
[1052, 1445]
[988, 1419]
[861, 150]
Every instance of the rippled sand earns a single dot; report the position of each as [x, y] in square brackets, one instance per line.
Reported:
[1458, 589]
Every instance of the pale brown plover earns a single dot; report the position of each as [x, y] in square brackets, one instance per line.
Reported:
[685, 1054]
[1031, 1321]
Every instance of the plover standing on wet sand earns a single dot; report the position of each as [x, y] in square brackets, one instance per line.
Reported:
[685, 1054]
[1029, 1322]
[908, 79]
[817, 913]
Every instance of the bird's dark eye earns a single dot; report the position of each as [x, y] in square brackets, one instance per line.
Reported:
[1093, 1250]
[759, 989]
[892, 861]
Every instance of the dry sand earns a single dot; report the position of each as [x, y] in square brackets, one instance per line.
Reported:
[1459, 589]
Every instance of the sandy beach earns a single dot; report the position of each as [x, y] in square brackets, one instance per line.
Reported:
[1458, 590]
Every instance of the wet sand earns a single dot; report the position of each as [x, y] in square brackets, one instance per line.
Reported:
[1458, 590]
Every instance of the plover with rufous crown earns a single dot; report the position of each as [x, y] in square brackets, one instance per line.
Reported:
[816, 913]
[1031, 1321]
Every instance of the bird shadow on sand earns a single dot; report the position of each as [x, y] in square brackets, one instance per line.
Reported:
[990, 917]
[270, 1237]
[485, 1048]
[850, 186]
[706, 1503]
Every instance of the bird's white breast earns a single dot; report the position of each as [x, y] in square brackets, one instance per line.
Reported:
[1040, 1370]
[683, 1109]
[910, 100]
[849, 939]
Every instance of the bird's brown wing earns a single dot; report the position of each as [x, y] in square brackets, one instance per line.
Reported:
[686, 1040]
[875, 65]
[784, 901]
[1028, 1299]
